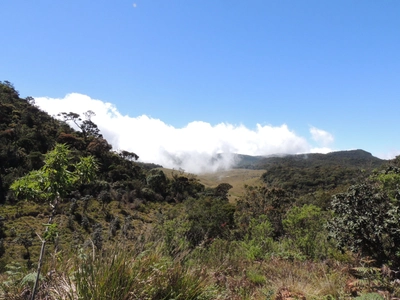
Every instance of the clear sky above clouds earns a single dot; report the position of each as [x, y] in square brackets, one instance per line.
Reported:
[251, 76]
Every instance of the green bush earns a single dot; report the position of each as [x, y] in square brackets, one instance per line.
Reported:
[210, 218]
[366, 220]
[305, 226]
[258, 241]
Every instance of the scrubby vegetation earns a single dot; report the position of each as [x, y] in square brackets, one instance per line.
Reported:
[325, 227]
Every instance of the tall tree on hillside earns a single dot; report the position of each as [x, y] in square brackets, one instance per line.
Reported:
[88, 128]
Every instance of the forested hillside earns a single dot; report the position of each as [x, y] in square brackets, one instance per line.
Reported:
[307, 172]
[27, 133]
[96, 224]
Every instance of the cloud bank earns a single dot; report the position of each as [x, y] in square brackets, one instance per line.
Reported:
[321, 136]
[193, 147]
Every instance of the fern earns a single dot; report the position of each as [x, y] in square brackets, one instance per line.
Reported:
[30, 278]
[367, 270]
[370, 296]
[14, 273]
[370, 277]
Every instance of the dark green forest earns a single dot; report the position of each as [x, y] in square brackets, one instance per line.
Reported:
[79, 220]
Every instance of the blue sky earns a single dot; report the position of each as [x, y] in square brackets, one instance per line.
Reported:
[332, 66]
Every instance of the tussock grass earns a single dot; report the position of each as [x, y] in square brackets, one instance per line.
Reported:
[237, 277]
[123, 275]
[314, 280]
[146, 271]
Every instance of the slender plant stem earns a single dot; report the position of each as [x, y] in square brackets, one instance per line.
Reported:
[39, 268]
[53, 212]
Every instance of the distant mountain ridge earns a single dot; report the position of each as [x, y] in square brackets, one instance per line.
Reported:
[354, 158]
[308, 175]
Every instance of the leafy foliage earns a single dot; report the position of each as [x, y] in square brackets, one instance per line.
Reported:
[258, 241]
[55, 179]
[366, 219]
[258, 201]
[210, 218]
[181, 187]
[157, 181]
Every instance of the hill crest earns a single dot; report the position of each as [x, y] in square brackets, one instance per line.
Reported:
[355, 158]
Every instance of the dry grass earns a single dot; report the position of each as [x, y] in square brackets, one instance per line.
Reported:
[239, 278]
[314, 280]
[144, 271]
[238, 178]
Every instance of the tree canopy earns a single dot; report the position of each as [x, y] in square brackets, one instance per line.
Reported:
[55, 178]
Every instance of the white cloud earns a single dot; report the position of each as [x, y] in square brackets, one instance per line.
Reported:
[388, 155]
[192, 147]
[322, 150]
[322, 137]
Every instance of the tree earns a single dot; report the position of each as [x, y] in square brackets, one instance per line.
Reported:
[130, 156]
[87, 127]
[51, 183]
[260, 200]
[366, 220]
[222, 190]
[305, 226]
[157, 181]
[210, 218]
[182, 187]
[389, 179]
